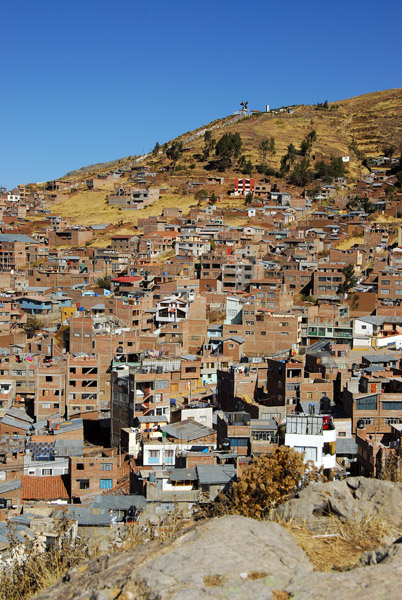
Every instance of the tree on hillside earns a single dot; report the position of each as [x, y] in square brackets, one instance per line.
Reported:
[265, 146]
[288, 159]
[156, 149]
[103, 282]
[367, 206]
[350, 279]
[32, 325]
[228, 149]
[200, 195]
[213, 198]
[307, 143]
[174, 151]
[325, 171]
[245, 166]
[267, 482]
[209, 144]
[301, 174]
[389, 150]
[248, 199]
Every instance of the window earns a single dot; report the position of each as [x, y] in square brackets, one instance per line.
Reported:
[47, 471]
[80, 466]
[310, 452]
[367, 403]
[392, 421]
[106, 467]
[342, 434]
[262, 435]
[169, 456]
[392, 405]
[49, 378]
[84, 484]
[263, 333]
[239, 442]
[161, 384]
[367, 421]
[154, 453]
[106, 484]
[45, 404]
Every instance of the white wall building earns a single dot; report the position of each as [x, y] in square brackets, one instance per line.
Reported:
[315, 435]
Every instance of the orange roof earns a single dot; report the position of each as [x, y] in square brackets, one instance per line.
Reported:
[44, 488]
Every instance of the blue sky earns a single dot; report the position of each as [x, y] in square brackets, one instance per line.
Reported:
[85, 81]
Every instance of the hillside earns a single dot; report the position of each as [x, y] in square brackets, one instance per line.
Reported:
[359, 127]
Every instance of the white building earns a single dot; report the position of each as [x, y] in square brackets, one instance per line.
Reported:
[363, 330]
[315, 435]
[171, 310]
[234, 310]
[39, 468]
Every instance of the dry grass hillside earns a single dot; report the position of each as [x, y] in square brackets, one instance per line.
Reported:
[358, 127]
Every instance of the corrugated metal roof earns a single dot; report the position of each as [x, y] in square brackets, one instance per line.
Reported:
[215, 474]
[118, 502]
[187, 430]
[68, 447]
[345, 446]
[183, 475]
[7, 420]
[379, 358]
[19, 414]
[17, 237]
[153, 419]
[8, 486]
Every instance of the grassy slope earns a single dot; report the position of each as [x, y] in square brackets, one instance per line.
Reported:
[371, 120]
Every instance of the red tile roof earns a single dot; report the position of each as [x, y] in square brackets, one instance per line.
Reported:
[44, 488]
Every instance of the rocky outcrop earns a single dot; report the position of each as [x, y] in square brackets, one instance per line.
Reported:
[355, 497]
[220, 558]
[235, 557]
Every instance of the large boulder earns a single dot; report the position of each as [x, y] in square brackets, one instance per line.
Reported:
[352, 498]
[220, 558]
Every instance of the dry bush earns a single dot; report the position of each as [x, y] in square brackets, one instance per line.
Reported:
[391, 470]
[40, 569]
[216, 316]
[268, 481]
[341, 543]
[37, 569]
[134, 535]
